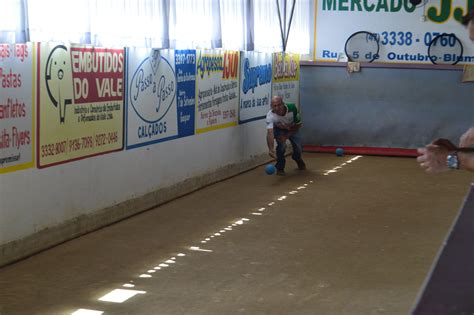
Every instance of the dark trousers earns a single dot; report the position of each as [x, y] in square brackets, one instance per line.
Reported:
[295, 140]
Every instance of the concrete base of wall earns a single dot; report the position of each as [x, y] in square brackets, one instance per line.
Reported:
[49, 237]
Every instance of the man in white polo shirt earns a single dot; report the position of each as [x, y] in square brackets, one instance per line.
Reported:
[283, 123]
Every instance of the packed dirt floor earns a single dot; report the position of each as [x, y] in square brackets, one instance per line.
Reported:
[350, 235]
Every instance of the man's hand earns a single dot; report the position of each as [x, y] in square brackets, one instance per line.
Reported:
[445, 143]
[294, 128]
[283, 138]
[272, 153]
[432, 158]
[467, 139]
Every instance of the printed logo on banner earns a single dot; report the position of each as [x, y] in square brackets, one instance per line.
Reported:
[151, 96]
[58, 77]
[255, 76]
[255, 84]
[286, 67]
[146, 87]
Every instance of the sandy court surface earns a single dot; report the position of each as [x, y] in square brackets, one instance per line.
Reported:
[347, 236]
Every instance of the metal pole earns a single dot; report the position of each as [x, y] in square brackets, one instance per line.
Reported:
[281, 26]
[289, 24]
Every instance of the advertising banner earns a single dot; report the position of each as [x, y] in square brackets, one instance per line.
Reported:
[286, 77]
[217, 89]
[152, 114]
[185, 61]
[80, 102]
[404, 31]
[16, 107]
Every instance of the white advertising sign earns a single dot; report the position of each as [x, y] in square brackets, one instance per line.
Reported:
[404, 30]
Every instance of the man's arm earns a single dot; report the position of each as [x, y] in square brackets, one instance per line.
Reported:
[433, 158]
[467, 139]
[271, 143]
[466, 161]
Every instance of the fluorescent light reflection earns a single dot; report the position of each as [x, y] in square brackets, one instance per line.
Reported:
[228, 229]
[120, 295]
[151, 271]
[157, 268]
[293, 192]
[204, 242]
[311, 181]
[222, 231]
[208, 239]
[217, 234]
[170, 261]
[163, 265]
[83, 311]
[181, 255]
[128, 285]
[256, 213]
[239, 222]
[261, 209]
[145, 276]
[245, 219]
[282, 198]
[271, 203]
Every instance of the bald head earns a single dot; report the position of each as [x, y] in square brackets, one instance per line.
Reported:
[278, 107]
[277, 100]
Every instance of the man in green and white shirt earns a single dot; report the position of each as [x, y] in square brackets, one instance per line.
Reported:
[283, 123]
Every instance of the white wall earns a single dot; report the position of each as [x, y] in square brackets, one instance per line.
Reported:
[36, 199]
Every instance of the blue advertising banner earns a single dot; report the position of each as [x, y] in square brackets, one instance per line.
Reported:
[255, 86]
[185, 61]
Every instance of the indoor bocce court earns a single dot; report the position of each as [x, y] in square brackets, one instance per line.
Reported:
[351, 235]
[214, 157]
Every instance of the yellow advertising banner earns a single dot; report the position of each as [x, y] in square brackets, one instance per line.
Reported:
[286, 77]
[217, 89]
[80, 102]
